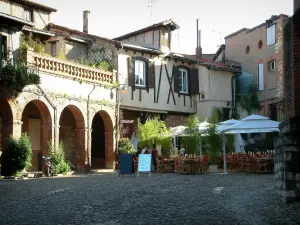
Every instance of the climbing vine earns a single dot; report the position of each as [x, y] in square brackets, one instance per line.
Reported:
[14, 77]
[248, 100]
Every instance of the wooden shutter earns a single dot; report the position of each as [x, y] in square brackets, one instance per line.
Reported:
[131, 72]
[260, 77]
[151, 75]
[176, 79]
[194, 81]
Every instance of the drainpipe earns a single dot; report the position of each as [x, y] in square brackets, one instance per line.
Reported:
[89, 128]
[233, 89]
[55, 113]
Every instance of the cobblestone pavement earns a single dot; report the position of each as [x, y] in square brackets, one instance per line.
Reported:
[162, 199]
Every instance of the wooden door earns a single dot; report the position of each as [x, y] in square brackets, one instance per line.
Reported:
[34, 132]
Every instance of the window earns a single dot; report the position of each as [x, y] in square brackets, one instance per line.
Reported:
[183, 81]
[260, 44]
[28, 15]
[140, 73]
[272, 65]
[247, 49]
[3, 48]
[271, 35]
[202, 95]
[260, 77]
[53, 49]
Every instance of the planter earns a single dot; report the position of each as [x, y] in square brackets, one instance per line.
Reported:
[213, 168]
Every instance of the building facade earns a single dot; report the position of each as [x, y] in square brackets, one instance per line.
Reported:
[259, 51]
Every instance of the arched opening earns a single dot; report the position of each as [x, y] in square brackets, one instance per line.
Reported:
[37, 124]
[102, 154]
[6, 124]
[72, 134]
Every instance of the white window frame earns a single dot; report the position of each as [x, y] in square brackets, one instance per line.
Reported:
[183, 75]
[272, 65]
[271, 35]
[260, 77]
[28, 12]
[140, 73]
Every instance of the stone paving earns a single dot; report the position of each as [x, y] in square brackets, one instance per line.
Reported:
[162, 199]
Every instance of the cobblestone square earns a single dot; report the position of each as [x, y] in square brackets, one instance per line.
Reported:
[161, 199]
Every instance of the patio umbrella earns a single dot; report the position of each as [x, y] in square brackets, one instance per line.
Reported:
[253, 124]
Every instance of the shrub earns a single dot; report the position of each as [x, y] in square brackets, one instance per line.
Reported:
[58, 158]
[125, 146]
[192, 139]
[17, 156]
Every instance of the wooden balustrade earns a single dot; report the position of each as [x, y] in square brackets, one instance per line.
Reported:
[69, 69]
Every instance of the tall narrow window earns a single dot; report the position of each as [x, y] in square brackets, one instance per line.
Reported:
[260, 77]
[140, 73]
[271, 35]
[183, 81]
[3, 48]
[53, 49]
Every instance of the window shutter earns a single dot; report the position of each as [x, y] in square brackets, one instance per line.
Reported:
[176, 78]
[131, 72]
[194, 81]
[261, 77]
[273, 34]
[151, 75]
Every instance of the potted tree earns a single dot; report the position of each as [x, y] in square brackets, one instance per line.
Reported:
[126, 151]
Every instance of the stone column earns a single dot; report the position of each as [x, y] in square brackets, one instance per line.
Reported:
[56, 135]
[287, 161]
[81, 148]
[89, 147]
[17, 128]
[109, 150]
[47, 136]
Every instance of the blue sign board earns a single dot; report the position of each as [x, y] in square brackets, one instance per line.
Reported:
[126, 164]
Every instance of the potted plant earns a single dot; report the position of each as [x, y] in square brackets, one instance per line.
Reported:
[126, 151]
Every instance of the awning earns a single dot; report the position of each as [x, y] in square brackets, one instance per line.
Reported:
[38, 31]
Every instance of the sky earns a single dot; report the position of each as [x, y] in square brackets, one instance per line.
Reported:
[217, 18]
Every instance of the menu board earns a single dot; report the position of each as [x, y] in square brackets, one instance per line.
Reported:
[126, 164]
[144, 163]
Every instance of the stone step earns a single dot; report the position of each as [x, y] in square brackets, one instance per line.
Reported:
[33, 174]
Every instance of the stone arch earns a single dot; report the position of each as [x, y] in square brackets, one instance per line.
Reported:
[6, 122]
[37, 123]
[72, 134]
[102, 151]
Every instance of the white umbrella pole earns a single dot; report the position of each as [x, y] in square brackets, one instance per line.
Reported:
[224, 154]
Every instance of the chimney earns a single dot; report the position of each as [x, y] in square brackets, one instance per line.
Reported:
[198, 48]
[296, 5]
[86, 21]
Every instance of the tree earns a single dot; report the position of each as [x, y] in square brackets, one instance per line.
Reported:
[192, 137]
[154, 131]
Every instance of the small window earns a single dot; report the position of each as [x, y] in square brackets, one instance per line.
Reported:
[247, 49]
[271, 35]
[260, 44]
[28, 15]
[53, 49]
[202, 95]
[272, 65]
[183, 81]
[140, 73]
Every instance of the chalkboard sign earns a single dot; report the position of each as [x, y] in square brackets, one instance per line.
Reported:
[144, 163]
[126, 164]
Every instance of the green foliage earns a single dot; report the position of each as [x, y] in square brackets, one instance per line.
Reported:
[248, 101]
[28, 42]
[125, 146]
[192, 138]
[216, 116]
[62, 56]
[213, 144]
[57, 155]
[13, 79]
[154, 131]
[229, 142]
[17, 156]
[103, 65]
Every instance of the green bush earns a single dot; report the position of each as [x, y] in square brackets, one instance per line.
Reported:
[192, 139]
[17, 156]
[57, 155]
[125, 146]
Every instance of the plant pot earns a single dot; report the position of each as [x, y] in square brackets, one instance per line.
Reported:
[213, 168]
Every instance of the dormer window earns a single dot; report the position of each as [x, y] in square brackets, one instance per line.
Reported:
[140, 73]
[28, 15]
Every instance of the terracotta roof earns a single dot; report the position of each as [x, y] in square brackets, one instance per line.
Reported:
[204, 56]
[36, 30]
[80, 34]
[166, 23]
[35, 5]
[207, 63]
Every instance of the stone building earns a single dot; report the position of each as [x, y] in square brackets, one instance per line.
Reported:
[287, 151]
[74, 103]
[259, 51]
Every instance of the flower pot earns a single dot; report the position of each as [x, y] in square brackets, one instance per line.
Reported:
[213, 168]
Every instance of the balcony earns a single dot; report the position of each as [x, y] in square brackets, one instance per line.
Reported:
[69, 69]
